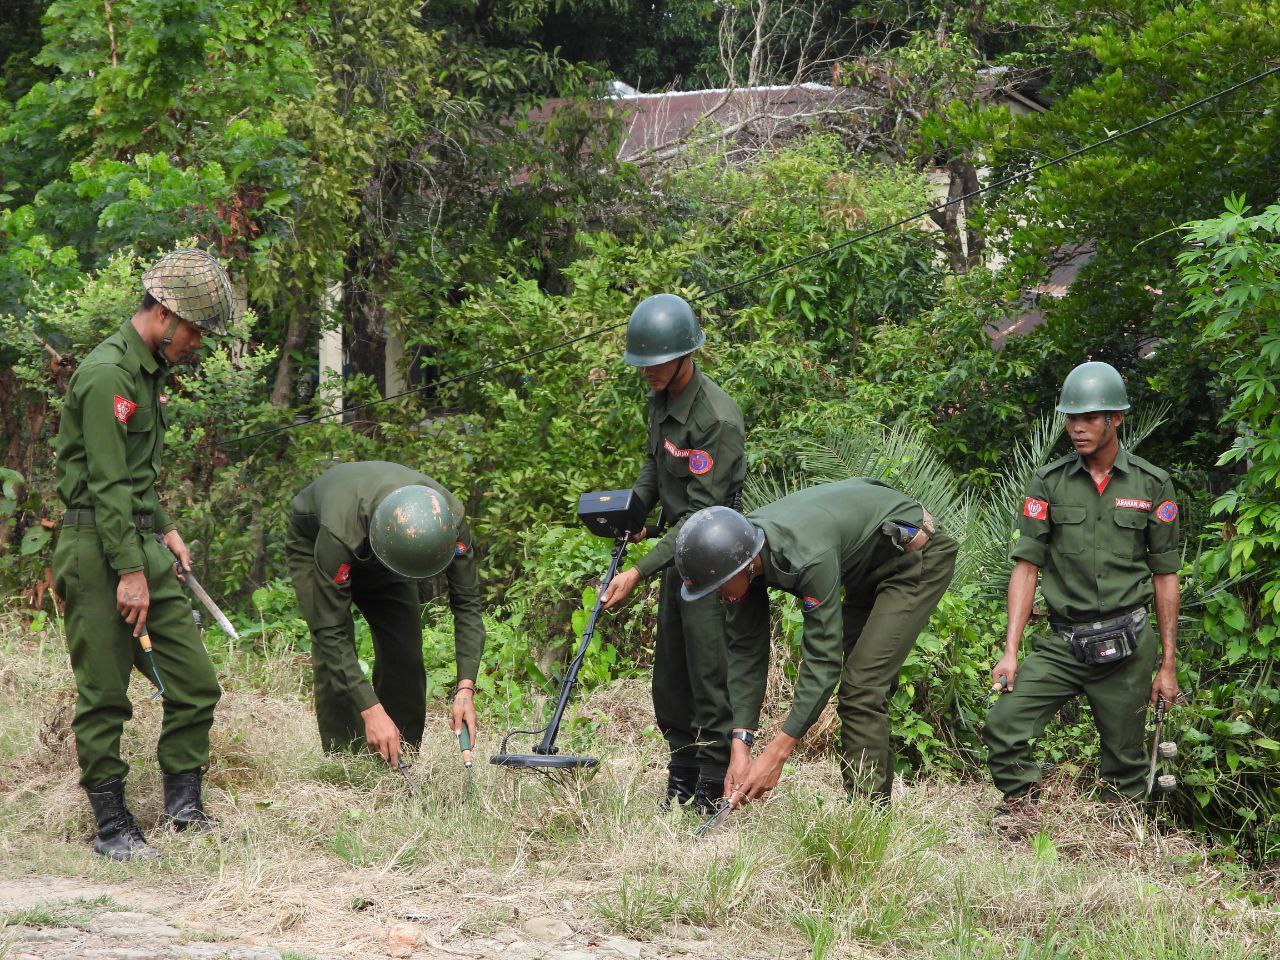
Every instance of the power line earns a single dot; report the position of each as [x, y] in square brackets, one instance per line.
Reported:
[795, 262]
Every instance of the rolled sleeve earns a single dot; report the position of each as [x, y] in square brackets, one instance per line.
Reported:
[1032, 525]
[1164, 552]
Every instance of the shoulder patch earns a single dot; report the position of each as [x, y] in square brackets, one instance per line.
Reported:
[1035, 509]
[1132, 503]
[700, 462]
[811, 603]
[343, 574]
[459, 548]
[1167, 511]
[123, 408]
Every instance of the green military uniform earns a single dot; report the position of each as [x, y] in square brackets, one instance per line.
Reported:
[865, 600]
[695, 458]
[332, 566]
[109, 448]
[1097, 550]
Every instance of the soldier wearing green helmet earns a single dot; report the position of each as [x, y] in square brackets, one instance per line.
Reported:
[1101, 525]
[367, 534]
[120, 583]
[694, 458]
[868, 565]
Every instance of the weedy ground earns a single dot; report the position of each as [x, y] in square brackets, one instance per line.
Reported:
[325, 853]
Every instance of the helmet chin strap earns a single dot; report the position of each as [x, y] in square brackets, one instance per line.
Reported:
[167, 339]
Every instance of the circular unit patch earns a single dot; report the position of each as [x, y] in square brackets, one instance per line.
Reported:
[1167, 511]
[700, 462]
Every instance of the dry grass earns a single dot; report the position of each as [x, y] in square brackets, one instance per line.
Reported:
[326, 852]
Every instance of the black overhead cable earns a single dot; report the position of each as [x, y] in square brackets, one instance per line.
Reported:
[825, 251]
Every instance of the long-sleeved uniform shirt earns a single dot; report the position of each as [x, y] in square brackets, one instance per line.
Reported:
[1097, 549]
[817, 541]
[111, 441]
[334, 511]
[695, 458]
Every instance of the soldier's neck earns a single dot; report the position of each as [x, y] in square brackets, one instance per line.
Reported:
[1100, 462]
[681, 380]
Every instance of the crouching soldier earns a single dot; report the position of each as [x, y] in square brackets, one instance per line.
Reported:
[693, 459]
[119, 583]
[366, 534]
[1102, 525]
[869, 566]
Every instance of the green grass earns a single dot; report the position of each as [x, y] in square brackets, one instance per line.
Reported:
[326, 852]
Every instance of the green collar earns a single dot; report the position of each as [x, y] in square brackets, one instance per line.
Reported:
[683, 405]
[1121, 464]
[146, 359]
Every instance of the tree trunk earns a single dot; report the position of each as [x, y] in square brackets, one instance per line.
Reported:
[286, 370]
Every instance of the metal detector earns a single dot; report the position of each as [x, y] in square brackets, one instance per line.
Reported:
[608, 513]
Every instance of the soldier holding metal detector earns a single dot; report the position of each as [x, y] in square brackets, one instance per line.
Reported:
[367, 533]
[694, 459]
[1102, 526]
[120, 582]
[869, 566]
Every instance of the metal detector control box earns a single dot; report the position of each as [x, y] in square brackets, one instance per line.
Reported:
[611, 513]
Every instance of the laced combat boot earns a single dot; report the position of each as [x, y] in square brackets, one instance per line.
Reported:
[682, 782]
[708, 794]
[183, 808]
[118, 834]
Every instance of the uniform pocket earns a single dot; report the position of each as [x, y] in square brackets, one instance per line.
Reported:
[1070, 534]
[142, 420]
[1130, 536]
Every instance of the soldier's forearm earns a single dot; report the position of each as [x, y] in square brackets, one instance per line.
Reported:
[1022, 592]
[1168, 603]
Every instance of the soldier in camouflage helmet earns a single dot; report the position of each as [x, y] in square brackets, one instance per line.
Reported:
[119, 581]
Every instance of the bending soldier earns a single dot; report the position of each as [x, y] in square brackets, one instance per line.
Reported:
[118, 582]
[1102, 525]
[869, 567]
[694, 458]
[367, 533]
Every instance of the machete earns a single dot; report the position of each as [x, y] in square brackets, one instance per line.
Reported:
[203, 596]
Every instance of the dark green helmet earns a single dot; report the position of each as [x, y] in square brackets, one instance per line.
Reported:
[1093, 387]
[193, 285]
[414, 532]
[713, 547]
[662, 328]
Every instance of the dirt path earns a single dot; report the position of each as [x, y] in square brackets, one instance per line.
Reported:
[68, 919]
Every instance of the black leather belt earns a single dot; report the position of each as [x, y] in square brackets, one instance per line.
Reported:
[83, 517]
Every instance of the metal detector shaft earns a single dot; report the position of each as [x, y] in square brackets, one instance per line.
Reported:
[548, 744]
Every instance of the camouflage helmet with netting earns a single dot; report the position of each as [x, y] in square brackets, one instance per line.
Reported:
[193, 285]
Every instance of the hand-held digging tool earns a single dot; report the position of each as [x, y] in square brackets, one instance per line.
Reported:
[1155, 745]
[144, 641]
[996, 688]
[403, 769]
[717, 818]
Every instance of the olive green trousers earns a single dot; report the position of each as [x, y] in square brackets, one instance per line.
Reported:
[883, 617]
[104, 654]
[1048, 677]
[690, 679]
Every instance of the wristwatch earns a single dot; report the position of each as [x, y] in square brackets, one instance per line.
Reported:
[746, 736]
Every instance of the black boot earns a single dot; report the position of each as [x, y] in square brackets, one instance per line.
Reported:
[118, 835]
[182, 806]
[682, 781]
[709, 793]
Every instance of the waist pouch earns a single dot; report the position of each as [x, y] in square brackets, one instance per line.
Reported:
[1103, 641]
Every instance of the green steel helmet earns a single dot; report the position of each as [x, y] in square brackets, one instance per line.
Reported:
[662, 328]
[193, 285]
[1093, 387]
[414, 532]
[713, 547]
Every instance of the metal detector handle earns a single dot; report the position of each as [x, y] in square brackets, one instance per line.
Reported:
[548, 744]
[1155, 745]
